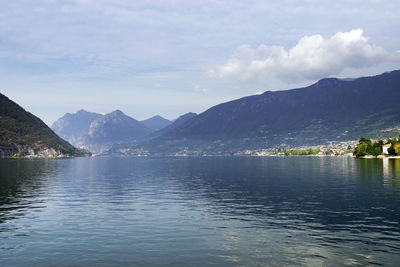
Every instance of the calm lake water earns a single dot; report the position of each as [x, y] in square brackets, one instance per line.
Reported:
[269, 211]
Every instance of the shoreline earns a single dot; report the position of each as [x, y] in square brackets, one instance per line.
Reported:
[200, 156]
[379, 157]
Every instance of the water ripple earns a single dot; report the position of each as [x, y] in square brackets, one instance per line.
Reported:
[199, 212]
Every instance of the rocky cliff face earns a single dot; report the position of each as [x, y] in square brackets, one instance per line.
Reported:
[97, 132]
[115, 127]
[74, 127]
[71, 126]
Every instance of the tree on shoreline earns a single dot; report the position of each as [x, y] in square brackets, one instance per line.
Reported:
[366, 147]
[394, 149]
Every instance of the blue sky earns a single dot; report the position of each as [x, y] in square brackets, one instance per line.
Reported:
[172, 57]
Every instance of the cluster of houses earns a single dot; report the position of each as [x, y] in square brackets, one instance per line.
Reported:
[344, 148]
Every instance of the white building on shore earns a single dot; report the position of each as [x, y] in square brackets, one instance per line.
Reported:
[385, 149]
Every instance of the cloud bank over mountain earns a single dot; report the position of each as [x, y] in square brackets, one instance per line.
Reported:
[313, 57]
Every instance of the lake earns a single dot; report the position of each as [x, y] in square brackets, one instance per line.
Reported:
[210, 211]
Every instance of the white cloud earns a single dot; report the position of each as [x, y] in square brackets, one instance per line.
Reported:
[311, 58]
[104, 49]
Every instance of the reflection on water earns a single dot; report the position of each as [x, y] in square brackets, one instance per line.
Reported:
[384, 171]
[22, 182]
[200, 211]
[391, 174]
[387, 167]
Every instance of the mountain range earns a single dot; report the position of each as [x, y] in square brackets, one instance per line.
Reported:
[73, 127]
[140, 149]
[331, 109]
[23, 134]
[97, 132]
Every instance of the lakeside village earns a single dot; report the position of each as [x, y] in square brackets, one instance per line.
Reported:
[364, 148]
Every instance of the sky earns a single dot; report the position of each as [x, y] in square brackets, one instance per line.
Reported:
[172, 57]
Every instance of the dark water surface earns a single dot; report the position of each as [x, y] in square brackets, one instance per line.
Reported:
[200, 211]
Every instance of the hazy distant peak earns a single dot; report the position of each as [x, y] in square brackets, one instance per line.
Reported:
[79, 114]
[72, 125]
[82, 111]
[181, 120]
[156, 123]
[115, 127]
[116, 112]
[186, 115]
[156, 117]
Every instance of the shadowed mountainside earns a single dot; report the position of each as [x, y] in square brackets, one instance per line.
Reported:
[22, 132]
[329, 110]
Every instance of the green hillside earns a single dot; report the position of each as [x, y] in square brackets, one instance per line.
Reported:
[23, 133]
